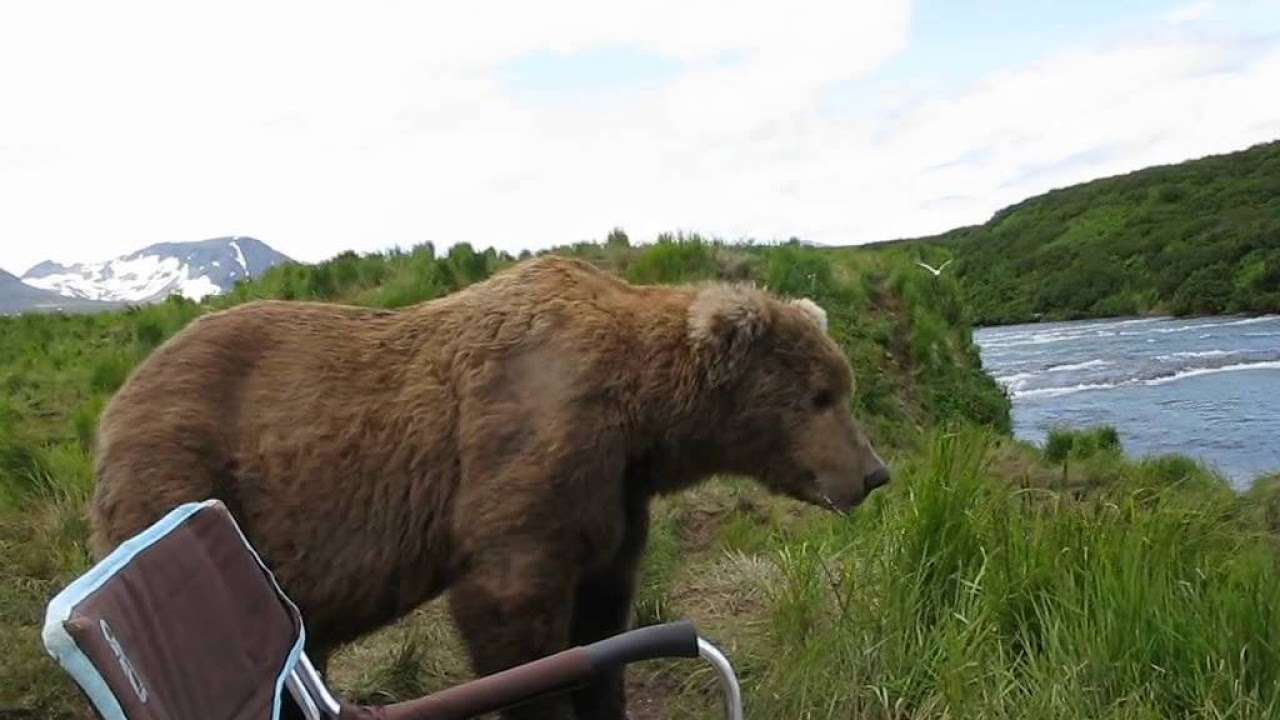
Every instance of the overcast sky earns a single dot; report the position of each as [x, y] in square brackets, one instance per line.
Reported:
[322, 126]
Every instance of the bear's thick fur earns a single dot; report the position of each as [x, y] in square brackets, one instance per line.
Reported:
[501, 443]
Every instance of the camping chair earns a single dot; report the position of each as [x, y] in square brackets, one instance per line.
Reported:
[185, 622]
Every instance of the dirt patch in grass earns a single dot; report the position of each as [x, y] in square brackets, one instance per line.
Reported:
[648, 694]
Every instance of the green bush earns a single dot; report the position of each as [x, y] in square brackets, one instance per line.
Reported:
[675, 259]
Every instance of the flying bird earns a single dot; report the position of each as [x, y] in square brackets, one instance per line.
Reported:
[936, 271]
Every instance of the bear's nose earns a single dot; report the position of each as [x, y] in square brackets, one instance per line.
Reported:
[877, 478]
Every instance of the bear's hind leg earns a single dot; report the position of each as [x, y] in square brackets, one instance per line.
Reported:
[515, 607]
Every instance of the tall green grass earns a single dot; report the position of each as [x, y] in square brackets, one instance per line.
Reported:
[956, 594]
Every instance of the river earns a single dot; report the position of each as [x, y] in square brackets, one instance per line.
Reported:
[1207, 387]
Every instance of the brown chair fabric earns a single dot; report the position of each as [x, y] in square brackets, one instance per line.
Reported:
[197, 620]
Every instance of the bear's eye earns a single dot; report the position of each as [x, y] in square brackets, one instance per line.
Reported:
[823, 399]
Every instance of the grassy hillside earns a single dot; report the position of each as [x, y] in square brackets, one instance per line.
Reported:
[987, 581]
[1198, 237]
[58, 370]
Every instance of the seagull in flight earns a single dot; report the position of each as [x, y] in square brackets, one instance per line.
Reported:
[936, 271]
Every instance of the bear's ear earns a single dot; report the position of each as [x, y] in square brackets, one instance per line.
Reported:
[813, 310]
[724, 322]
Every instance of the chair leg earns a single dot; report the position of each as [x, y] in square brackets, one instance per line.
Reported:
[311, 698]
[302, 696]
[326, 703]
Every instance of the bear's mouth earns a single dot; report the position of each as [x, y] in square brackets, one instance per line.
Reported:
[833, 506]
[812, 490]
[840, 503]
[806, 486]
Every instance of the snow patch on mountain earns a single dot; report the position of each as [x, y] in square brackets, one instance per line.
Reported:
[125, 279]
[18, 297]
[240, 255]
[195, 270]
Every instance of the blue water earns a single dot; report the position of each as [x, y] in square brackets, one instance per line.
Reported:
[1204, 387]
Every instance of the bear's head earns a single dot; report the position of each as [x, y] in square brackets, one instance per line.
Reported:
[781, 389]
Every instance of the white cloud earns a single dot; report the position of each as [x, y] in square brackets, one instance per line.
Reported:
[1191, 12]
[1075, 116]
[318, 127]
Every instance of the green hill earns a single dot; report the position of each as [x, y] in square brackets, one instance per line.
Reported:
[986, 581]
[1198, 237]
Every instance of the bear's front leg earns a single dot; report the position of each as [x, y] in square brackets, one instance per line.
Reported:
[512, 607]
[603, 608]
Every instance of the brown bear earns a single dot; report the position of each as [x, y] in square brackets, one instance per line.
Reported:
[501, 443]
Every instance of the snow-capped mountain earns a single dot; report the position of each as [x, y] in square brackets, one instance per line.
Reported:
[17, 297]
[193, 269]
